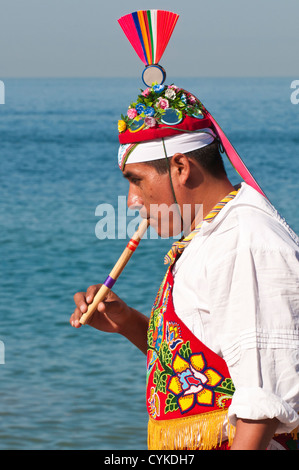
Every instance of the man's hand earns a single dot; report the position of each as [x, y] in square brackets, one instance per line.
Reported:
[112, 316]
[109, 316]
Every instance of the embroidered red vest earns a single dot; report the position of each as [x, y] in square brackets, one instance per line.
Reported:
[189, 388]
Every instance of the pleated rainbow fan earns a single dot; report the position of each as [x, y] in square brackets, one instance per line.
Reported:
[149, 32]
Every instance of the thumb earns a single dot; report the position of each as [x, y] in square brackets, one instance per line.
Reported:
[110, 307]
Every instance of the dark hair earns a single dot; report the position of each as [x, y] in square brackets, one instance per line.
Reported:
[208, 157]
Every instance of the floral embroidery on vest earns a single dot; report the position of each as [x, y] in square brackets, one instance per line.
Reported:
[181, 374]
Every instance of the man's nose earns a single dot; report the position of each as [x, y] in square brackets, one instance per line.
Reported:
[135, 201]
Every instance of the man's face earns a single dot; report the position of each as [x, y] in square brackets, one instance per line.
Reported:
[151, 194]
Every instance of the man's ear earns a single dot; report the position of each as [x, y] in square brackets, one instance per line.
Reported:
[188, 172]
[180, 166]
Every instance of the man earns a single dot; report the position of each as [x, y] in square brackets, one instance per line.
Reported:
[222, 340]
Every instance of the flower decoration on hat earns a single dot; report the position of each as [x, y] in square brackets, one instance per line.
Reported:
[160, 104]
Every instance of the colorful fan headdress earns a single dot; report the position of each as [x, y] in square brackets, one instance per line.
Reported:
[161, 112]
[149, 32]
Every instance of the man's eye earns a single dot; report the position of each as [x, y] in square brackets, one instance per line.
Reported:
[135, 180]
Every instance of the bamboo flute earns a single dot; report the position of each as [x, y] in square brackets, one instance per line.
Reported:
[116, 271]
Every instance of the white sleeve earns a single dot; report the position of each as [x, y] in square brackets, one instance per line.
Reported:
[255, 309]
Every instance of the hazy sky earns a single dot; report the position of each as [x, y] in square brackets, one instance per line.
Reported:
[75, 38]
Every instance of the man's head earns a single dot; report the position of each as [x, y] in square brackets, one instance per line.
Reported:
[170, 154]
[172, 193]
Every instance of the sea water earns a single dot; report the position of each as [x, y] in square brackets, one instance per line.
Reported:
[63, 388]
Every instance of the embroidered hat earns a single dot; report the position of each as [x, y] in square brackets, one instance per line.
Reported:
[165, 116]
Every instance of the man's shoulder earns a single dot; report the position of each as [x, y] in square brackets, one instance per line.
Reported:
[258, 221]
[250, 220]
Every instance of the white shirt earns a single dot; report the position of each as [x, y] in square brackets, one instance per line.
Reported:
[236, 287]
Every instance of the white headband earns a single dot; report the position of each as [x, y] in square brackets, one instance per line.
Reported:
[154, 149]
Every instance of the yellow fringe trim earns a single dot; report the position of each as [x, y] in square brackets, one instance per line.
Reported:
[199, 432]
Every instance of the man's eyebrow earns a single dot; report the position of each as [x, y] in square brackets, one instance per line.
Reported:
[128, 175]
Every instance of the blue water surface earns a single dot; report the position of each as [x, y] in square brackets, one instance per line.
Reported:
[62, 388]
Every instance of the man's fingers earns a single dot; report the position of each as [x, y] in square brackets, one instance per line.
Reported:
[91, 292]
[74, 320]
[80, 301]
[102, 307]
